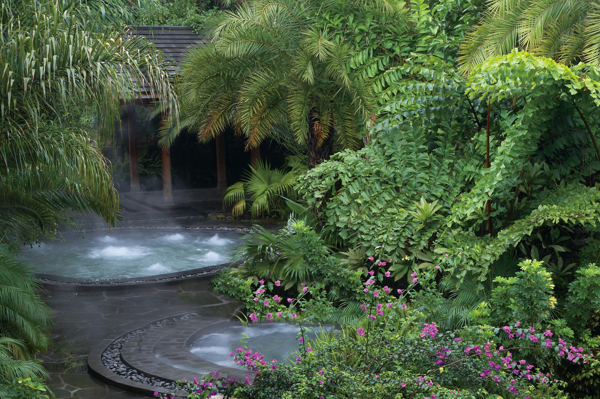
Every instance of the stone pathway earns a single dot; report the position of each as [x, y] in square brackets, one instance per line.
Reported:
[83, 319]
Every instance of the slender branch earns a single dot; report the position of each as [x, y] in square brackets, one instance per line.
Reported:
[588, 129]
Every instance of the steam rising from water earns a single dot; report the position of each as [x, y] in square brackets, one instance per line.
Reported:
[108, 239]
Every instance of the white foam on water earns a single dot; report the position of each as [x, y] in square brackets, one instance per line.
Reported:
[217, 241]
[212, 257]
[158, 268]
[119, 252]
[174, 237]
[107, 239]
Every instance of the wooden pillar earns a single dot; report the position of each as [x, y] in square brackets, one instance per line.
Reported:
[221, 166]
[166, 175]
[134, 174]
[255, 155]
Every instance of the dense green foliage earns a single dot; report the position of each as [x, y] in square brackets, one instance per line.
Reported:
[416, 198]
[567, 31]
[192, 13]
[56, 56]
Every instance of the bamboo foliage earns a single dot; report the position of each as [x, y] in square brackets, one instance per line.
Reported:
[55, 55]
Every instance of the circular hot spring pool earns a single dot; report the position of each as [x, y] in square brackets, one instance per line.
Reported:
[113, 254]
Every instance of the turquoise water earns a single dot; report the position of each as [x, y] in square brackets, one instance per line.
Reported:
[131, 253]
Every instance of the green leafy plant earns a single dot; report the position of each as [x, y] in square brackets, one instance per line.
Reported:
[267, 188]
[269, 64]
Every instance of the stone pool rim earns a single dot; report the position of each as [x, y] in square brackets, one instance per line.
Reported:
[55, 282]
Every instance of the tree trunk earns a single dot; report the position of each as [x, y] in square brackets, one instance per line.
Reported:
[318, 153]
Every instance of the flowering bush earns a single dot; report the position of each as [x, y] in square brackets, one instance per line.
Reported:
[390, 354]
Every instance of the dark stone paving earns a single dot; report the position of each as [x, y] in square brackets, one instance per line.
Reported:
[82, 320]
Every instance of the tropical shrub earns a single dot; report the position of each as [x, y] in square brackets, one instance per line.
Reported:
[390, 354]
[268, 188]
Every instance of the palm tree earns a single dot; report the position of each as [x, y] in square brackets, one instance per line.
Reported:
[268, 65]
[565, 30]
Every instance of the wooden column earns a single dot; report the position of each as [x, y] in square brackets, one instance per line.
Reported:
[134, 173]
[255, 155]
[221, 166]
[166, 176]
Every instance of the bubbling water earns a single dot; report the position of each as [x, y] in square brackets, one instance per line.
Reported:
[131, 253]
[119, 252]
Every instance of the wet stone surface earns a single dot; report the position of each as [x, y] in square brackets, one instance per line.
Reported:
[83, 319]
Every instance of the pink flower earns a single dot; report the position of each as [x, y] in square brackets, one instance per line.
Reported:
[371, 258]
[400, 291]
[266, 303]
[387, 274]
[269, 316]
[294, 315]
[261, 282]
[403, 384]
[383, 263]
[309, 349]
[369, 282]
[320, 381]
[413, 274]
[276, 298]
[375, 294]
[303, 283]
[548, 333]
[278, 314]
[253, 317]
[255, 299]
[533, 338]
[389, 305]
[415, 280]
[366, 290]
[446, 255]
[403, 306]
[304, 289]
[517, 324]
[386, 289]
[532, 329]
[277, 283]
[360, 331]
[301, 339]
[380, 312]
[372, 272]
[437, 268]
[290, 300]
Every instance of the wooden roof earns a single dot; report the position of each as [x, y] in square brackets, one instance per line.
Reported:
[172, 41]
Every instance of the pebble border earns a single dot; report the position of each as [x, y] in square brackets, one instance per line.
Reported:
[112, 360]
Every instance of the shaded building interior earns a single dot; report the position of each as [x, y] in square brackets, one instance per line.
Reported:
[140, 165]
